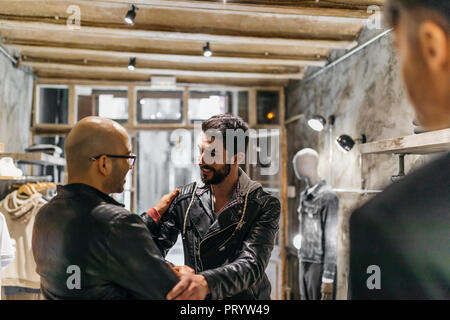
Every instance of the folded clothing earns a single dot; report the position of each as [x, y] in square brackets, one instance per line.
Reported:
[47, 148]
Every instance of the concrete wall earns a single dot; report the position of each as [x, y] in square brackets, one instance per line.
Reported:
[365, 94]
[16, 95]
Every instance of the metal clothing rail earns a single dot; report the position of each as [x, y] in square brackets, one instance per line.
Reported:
[15, 62]
[347, 55]
[7, 185]
[359, 191]
[8, 56]
[335, 62]
[28, 179]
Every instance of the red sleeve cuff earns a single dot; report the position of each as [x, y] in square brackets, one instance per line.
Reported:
[154, 214]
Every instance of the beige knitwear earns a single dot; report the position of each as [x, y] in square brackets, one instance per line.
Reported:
[20, 212]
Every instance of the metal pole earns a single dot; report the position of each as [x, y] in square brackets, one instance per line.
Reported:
[7, 55]
[330, 159]
[345, 56]
[359, 191]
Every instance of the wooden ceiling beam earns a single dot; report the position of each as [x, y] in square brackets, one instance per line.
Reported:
[36, 38]
[142, 64]
[272, 10]
[124, 33]
[337, 11]
[147, 71]
[52, 50]
[117, 80]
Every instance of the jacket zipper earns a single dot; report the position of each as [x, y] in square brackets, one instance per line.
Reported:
[212, 235]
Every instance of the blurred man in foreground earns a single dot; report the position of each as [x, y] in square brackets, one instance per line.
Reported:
[399, 241]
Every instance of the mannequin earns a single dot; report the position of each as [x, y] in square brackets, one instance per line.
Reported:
[318, 217]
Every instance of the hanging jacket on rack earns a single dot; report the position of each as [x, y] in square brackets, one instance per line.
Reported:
[19, 212]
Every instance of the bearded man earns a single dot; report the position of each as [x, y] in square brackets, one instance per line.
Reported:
[228, 222]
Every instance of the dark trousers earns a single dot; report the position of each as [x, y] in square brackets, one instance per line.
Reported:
[310, 279]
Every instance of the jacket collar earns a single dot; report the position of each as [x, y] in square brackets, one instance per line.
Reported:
[244, 185]
[76, 188]
[314, 190]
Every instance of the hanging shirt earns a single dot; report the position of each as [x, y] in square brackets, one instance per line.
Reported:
[6, 246]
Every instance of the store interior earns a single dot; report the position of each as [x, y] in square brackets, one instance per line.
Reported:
[304, 74]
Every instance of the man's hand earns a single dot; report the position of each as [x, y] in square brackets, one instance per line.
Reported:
[165, 202]
[327, 290]
[184, 269]
[191, 287]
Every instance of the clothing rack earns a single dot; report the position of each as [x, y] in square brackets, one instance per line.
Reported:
[7, 185]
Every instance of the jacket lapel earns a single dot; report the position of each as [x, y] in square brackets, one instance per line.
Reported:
[225, 218]
[230, 215]
[197, 218]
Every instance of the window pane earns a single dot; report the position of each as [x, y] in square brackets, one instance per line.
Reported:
[112, 107]
[53, 105]
[107, 103]
[267, 107]
[159, 106]
[165, 161]
[243, 105]
[204, 105]
[265, 165]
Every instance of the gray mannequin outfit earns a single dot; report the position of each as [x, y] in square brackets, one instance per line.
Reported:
[318, 216]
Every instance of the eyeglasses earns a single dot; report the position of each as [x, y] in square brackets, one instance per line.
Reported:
[131, 158]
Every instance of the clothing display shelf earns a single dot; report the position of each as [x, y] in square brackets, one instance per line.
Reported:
[423, 143]
[35, 158]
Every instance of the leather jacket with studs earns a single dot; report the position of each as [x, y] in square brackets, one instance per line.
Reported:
[231, 248]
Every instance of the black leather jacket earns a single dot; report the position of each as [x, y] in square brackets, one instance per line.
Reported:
[113, 249]
[233, 260]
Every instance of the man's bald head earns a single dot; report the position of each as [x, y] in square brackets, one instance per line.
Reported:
[90, 137]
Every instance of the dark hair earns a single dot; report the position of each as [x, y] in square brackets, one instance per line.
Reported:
[440, 7]
[224, 122]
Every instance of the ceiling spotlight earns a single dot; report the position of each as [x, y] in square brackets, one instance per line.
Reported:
[207, 51]
[317, 122]
[346, 143]
[131, 14]
[132, 64]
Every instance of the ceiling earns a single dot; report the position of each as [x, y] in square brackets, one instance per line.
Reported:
[254, 43]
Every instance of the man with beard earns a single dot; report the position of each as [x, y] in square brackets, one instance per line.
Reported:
[85, 244]
[228, 223]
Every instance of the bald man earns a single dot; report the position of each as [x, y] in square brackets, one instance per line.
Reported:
[87, 245]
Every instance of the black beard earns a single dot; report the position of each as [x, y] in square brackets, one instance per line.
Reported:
[218, 176]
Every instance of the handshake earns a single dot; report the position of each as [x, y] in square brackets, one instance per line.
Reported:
[190, 287]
